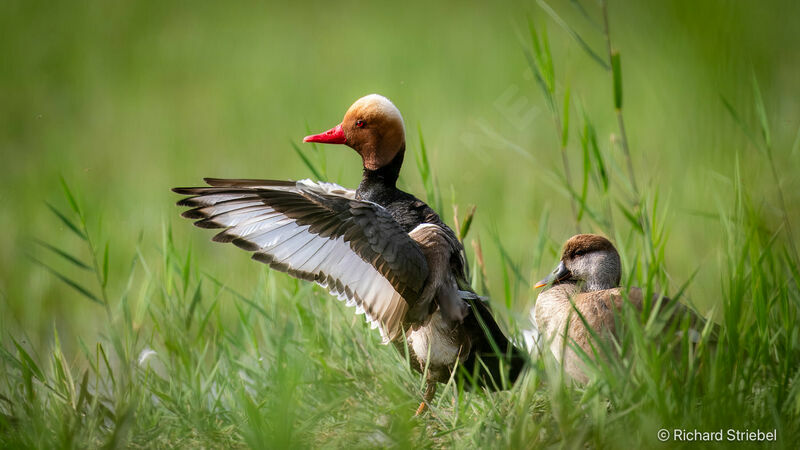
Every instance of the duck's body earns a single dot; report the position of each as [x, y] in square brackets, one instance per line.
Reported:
[378, 248]
[586, 280]
[437, 344]
[556, 319]
[379, 186]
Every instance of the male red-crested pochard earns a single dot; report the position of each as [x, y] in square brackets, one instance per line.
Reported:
[588, 276]
[378, 248]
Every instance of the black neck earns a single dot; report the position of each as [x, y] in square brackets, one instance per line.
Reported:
[374, 183]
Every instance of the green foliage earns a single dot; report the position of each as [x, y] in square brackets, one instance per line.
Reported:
[187, 344]
[307, 162]
[432, 193]
[573, 34]
[616, 70]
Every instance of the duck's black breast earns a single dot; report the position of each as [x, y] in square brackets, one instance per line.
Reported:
[410, 212]
[379, 186]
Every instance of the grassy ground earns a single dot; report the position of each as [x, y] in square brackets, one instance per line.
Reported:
[122, 326]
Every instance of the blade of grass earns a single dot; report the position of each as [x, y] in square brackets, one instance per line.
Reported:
[192, 306]
[306, 161]
[424, 168]
[66, 221]
[616, 71]
[574, 34]
[466, 223]
[27, 361]
[579, 6]
[565, 119]
[105, 266]
[762, 114]
[540, 61]
[587, 168]
[186, 270]
[237, 295]
[323, 162]
[73, 284]
[736, 118]
[795, 144]
[70, 198]
[72, 259]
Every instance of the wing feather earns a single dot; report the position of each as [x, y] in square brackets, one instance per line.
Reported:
[319, 232]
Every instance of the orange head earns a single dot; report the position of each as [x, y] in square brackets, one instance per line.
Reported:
[373, 127]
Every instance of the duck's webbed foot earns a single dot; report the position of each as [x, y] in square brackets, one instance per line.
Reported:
[427, 397]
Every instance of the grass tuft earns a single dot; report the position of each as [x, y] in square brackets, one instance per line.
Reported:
[173, 350]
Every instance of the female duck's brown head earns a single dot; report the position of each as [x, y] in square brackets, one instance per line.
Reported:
[588, 260]
[373, 127]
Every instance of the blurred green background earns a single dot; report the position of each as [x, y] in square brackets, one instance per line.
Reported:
[128, 99]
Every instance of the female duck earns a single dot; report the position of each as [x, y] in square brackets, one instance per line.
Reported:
[377, 248]
[587, 277]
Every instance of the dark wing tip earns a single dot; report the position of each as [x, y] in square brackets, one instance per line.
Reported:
[223, 237]
[188, 201]
[215, 181]
[208, 223]
[262, 257]
[192, 213]
[244, 244]
[185, 190]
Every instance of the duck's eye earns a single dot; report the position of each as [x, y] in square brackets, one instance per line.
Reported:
[580, 252]
[360, 123]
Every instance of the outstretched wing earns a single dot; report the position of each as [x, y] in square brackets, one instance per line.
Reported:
[319, 232]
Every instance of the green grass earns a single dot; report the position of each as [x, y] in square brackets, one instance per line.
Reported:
[669, 128]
